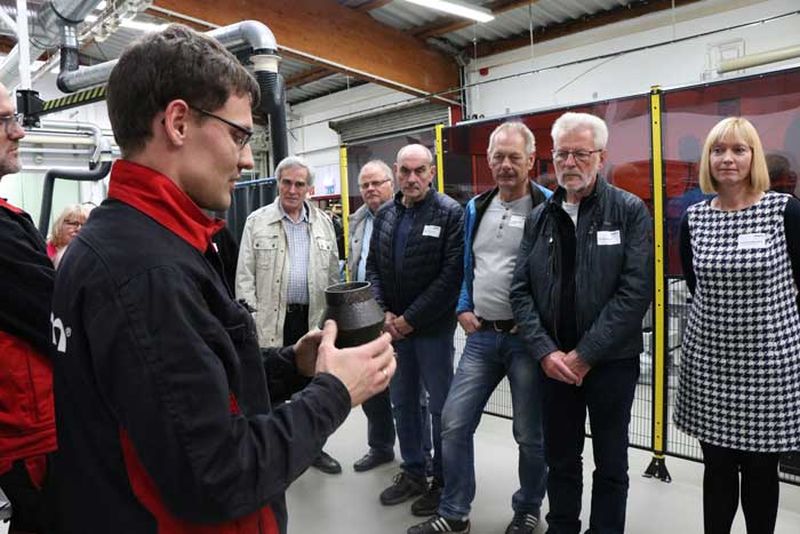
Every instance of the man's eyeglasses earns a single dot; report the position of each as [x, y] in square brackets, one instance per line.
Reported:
[11, 121]
[242, 135]
[582, 156]
[376, 184]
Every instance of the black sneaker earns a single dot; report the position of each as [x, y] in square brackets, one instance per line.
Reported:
[522, 524]
[428, 504]
[403, 488]
[438, 523]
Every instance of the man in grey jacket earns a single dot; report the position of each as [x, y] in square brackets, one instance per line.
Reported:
[582, 283]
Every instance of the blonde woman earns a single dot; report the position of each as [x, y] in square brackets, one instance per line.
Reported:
[740, 372]
[64, 230]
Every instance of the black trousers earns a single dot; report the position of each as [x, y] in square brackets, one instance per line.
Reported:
[33, 508]
[759, 489]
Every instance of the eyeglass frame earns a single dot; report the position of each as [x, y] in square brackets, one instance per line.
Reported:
[246, 132]
[15, 118]
[374, 183]
[584, 156]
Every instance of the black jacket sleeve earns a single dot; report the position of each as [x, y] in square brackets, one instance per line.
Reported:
[621, 317]
[686, 254]
[26, 283]
[791, 222]
[156, 351]
[442, 293]
[526, 315]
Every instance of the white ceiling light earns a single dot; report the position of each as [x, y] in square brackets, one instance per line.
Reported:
[455, 8]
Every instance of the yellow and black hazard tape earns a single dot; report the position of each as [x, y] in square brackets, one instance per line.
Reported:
[81, 98]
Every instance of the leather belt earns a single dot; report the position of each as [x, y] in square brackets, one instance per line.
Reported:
[506, 326]
[296, 308]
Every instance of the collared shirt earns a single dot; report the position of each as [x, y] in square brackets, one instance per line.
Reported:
[298, 241]
[362, 260]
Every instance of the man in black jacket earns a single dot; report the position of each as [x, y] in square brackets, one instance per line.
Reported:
[27, 420]
[164, 415]
[581, 286]
[415, 267]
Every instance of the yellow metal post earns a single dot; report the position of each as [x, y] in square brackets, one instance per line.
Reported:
[439, 159]
[345, 192]
[657, 467]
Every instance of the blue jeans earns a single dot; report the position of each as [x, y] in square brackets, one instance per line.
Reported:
[488, 357]
[607, 392]
[422, 361]
[380, 423]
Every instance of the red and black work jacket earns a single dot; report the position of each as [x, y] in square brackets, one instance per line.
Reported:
[164, 415]
[27, 421]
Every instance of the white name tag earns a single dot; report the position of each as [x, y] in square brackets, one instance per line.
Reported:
[431, 230]
[517, 221]
[608, 237]
[752, 241]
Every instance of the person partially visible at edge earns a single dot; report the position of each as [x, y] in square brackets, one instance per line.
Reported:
[163, 404]
[415, 265]
[65, 228]
[493, 226]
[27, 421]
[582, 284]
[739, 387]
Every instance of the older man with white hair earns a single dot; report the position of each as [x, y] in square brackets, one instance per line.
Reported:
[288, 256]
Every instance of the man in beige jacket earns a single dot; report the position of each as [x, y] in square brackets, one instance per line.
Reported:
[287, 258]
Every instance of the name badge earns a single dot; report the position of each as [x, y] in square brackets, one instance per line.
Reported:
[752, 241]
[517, 221]
[431, 230]
[608, 237]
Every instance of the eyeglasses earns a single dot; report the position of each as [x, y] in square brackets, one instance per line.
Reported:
[10, 121]
[376, 184]
[76, 224]
[582, 156]
[242, 136]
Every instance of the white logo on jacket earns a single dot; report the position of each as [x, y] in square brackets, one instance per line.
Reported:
[60, 334]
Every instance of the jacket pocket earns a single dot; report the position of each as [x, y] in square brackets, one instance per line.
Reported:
[265, 249]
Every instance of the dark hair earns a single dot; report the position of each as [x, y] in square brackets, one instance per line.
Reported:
[177, 62]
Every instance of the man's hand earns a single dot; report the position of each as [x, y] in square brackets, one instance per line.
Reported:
[364, 370]
[388, 326]
[402, 326]
[305, 352]
[576, 364]
[554, 367]
[469, 322]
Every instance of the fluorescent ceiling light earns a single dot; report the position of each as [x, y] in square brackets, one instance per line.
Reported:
[133, 24]
[454, 8]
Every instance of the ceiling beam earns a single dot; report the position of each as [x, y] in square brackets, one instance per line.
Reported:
[340, 38]
[370, 5]
[589, 22]
[445, 25]
[308, 76]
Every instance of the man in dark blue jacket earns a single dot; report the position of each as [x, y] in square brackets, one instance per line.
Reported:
[582, 283]
[493, 230]
[163, 407]
[415, 266]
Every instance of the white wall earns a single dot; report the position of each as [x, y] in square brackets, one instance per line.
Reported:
[669, 65]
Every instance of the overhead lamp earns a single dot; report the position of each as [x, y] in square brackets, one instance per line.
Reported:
[455, 8]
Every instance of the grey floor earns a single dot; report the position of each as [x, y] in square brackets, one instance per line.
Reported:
[348, 503]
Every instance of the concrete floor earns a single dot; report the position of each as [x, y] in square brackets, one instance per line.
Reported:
[348, 503]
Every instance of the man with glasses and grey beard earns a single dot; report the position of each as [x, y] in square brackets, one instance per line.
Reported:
[27, 419]
[582, 283]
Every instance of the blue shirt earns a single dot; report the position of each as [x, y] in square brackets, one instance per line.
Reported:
[362, 260]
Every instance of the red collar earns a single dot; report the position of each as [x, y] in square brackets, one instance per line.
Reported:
[10, 207]
[158, 197]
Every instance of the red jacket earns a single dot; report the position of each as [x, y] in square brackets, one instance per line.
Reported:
[27, 419]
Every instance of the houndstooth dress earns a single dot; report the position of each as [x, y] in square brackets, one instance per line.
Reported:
[740, 369]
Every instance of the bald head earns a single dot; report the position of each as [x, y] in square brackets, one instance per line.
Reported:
[10, 134]
[414, 170]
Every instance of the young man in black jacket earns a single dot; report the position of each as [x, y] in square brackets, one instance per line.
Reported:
[27, 421]
[163, 405]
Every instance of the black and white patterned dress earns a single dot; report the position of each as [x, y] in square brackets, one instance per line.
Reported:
[740, 368]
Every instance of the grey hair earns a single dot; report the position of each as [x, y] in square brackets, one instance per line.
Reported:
[385, 169]
[292, 162]
[571, 121]
[401, 152]
[518, 127]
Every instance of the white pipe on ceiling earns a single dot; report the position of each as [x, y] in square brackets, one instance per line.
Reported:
[24, 45]
[756, 60]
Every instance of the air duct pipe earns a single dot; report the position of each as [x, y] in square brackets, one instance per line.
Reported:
[756, 60]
